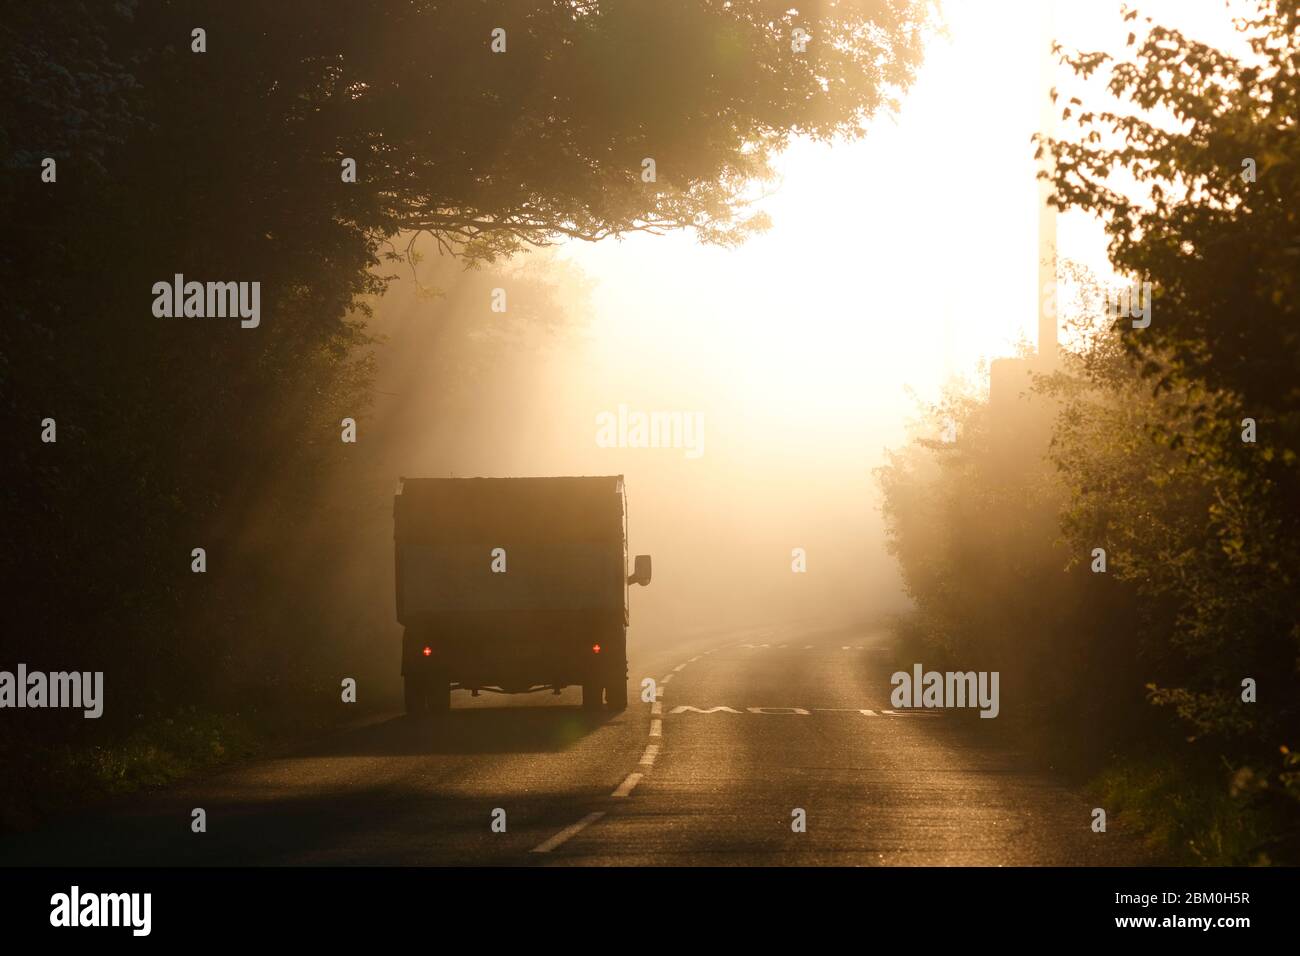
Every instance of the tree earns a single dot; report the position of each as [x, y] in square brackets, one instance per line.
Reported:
[1155, 444]
[488, 150]
[1218, 237]
[227, 164]
[1217, 232]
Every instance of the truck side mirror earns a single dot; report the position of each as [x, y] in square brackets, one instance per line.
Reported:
[640, 570]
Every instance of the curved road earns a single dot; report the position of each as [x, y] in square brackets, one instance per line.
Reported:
[749, 727]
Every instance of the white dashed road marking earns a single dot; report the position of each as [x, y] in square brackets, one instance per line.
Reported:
[808, 647]
[568, 832]
[632, 779]
[627, 786]
[801, 711]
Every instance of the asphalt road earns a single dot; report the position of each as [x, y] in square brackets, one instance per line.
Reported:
[748, 728]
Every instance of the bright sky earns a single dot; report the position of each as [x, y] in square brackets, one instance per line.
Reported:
[893, 262]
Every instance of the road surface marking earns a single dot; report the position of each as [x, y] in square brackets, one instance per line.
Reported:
[681, 709]
[627, 786]
[666, 679]
[659, 691]
[657, 707]
[786, 711]
[648, 758]
[695, 658]
[568, 832]
[656, 727]
[678, 667]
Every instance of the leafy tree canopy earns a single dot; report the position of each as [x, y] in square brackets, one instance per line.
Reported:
[1218, 236]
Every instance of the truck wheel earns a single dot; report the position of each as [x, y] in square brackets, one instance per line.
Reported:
[416, 699]
[591, 696]
[438, 693]
[616, 695]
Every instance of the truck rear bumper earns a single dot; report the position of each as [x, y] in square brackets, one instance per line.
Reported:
[514, 667]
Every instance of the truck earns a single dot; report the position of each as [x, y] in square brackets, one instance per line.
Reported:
[514, 585]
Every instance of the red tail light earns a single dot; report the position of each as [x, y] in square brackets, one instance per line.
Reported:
[595, 648]
[428, 651]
